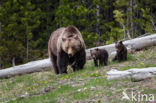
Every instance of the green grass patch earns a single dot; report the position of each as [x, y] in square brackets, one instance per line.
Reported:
[130, 57]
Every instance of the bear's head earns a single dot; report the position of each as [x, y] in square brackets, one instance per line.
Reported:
[71, 45]
[94, 53]
[119, 45]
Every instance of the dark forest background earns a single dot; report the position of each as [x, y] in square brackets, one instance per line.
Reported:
[26, 25]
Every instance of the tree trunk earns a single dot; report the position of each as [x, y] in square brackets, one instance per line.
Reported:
[13, 61]
[47, 18]
[27, 49]
[134, 74]
[0, 21]
[0, 27]
[98, 31]
[131, 17]
[154, 27]
[45, 64]
[0, 37]
[0, 63]
[124, 31]
[34, 66]
[0, 66]
[128, 34]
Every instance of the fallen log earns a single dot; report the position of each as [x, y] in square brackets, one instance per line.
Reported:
[45, 64]
[34, 66]
[132, 45]
[134, 74]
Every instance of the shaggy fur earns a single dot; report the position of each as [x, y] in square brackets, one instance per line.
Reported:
[66, 47]
[100, 56]
[121, 52]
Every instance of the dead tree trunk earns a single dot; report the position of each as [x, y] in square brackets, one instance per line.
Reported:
[124, 31]
[133, 74]
[152, 21]
[133, 44]
[98, 31]
[34, 66]
[131, 17]
[13, 61]
[45, 64]
[128, 33]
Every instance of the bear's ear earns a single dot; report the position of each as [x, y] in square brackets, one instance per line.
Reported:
[63, 39]
[96, 49]
[71, 29]
[120, 42]
[76, 37]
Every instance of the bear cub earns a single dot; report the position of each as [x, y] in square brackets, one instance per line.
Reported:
[121, 50]
[100, 56]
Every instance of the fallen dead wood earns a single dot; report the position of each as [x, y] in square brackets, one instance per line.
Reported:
[34, 66]
[132, 45]
[134, 74]
[45, 64]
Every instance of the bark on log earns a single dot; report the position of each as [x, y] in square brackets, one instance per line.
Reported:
[134, 74]
[34, 66]
[45, 64]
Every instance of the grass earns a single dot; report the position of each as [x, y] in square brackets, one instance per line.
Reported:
[87, 85]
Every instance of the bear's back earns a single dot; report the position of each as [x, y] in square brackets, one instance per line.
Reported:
[103, 52]
[52, 44]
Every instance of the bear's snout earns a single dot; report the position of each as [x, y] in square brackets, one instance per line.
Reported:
[70, 55]
[94, 57]
[70, 52]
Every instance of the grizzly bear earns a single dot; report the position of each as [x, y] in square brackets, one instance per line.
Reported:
[99, 55]
[66, 47]
[121, 51]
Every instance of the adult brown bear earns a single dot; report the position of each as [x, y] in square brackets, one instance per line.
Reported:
[66, 47]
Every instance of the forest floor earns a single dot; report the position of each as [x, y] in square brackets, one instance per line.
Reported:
[86, 86]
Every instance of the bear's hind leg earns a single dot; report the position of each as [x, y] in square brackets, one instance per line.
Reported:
[119, 57]
[125, 56]
[101, 61]
[105, 61]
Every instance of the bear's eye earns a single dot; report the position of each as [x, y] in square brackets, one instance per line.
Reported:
[66, 48]
[73, 48]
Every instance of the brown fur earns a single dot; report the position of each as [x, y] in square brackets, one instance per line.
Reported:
[66, 46]
[121, 51]
[71, 45]
[99, 55]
